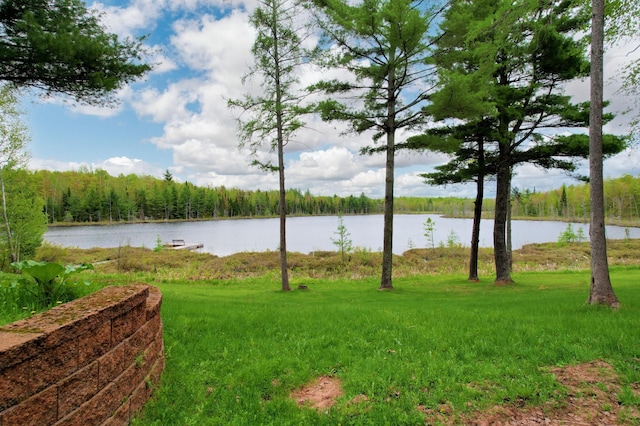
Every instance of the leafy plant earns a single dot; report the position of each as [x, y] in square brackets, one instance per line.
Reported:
[50, 277]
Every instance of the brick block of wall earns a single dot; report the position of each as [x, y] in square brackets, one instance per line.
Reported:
[92, 361]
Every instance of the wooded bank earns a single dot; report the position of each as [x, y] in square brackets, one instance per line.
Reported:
[96, 196]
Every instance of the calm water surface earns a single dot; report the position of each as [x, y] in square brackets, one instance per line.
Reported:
[308, 234]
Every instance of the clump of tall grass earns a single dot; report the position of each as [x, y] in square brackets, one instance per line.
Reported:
[22, 296]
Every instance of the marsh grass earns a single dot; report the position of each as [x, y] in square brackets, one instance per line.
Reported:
[236, 348]
[136, 263]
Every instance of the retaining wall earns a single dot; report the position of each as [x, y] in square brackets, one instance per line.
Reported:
[92, 361]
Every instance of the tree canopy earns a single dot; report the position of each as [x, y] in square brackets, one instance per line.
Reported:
[502, 68]
[383, 46]
[24, 223]
[61, 47]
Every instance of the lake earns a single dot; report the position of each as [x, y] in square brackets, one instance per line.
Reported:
[309, 233]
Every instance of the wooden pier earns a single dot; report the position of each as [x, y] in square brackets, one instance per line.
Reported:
[181, 245]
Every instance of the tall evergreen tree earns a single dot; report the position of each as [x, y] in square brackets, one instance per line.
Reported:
[275, 114]
[465, 143]
[510, 67]
[383, 45]
[601, 291]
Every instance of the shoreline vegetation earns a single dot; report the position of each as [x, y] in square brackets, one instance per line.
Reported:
[140, 263]
[88, 197]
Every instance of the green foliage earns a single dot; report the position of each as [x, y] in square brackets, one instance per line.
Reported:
[385, 47]
[24, 212]
[571, 236]
[50, 277]
[568, 235]
[342, 240]
[382, 47]
[429, 229]
[622, 202]
[142, 197]
[516, 65]
[274, 116]
[23, 295]
[453, 240]
[62, 47]
[159, 245]
[23, 223]
[14, 135]
[92, 196]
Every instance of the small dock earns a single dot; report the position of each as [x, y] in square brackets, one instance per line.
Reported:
[182, 245]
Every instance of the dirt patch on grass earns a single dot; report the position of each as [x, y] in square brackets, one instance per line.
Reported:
[320, 394]
[591, 399]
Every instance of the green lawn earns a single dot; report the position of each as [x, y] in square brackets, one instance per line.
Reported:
[236, 349]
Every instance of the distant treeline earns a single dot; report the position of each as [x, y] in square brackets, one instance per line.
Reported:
[622, 196]
[96, 196]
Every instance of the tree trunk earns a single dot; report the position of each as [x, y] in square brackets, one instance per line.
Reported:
[387, 248]
[477, 216]
[509, 245]
[503, 187]
[386, 283]
[283, 224]
[601, 291]
[284, 269]
[12, 251]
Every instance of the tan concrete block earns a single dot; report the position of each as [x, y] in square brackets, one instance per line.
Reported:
[130, 378]
[16, 347]
[139, 316]
[139, 397]
[141, 339]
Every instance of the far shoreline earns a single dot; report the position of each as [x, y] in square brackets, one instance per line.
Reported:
[608, 221]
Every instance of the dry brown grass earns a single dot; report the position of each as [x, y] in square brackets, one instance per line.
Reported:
[172, 264]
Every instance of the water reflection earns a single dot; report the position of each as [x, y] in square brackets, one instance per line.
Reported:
[307, 234]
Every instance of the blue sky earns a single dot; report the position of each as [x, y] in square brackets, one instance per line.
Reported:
[176, 118]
